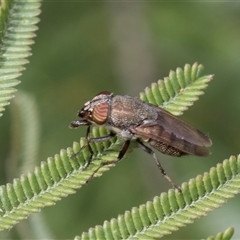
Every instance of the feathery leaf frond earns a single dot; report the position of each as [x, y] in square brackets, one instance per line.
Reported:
[53, 180]
[172, 210]
[178, 91]
[17, 26]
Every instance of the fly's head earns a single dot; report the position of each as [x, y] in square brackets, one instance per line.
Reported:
[97, 110]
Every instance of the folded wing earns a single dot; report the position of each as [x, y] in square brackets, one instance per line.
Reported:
[174, 132]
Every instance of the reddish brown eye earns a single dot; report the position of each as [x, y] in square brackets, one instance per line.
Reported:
[100, 113]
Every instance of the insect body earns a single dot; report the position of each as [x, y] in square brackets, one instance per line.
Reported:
[132, 119]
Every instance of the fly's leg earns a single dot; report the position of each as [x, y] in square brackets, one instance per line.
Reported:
[89, 140]
[120, 156]
[76, 124]
[98, 139]
[86, 145]
[159, 165]
[89, 148]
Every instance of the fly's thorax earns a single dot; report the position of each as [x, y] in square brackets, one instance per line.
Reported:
[128, 111]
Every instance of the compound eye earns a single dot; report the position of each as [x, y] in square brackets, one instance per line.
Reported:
[100, 113]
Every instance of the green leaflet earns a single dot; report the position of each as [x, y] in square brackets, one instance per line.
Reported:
[18, 21]
[179, 90]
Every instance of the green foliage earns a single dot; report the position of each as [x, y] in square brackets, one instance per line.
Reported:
[179, 90]
[17, 26]
[173, 210]
[54, 179]
[62, 174]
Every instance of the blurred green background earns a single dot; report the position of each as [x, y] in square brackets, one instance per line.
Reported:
[83, 48]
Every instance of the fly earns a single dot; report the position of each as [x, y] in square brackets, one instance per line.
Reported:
[132, 119]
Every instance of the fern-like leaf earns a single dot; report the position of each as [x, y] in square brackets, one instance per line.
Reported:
[17, 26]
[178, 91]
[172, 210]
[53, 180]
